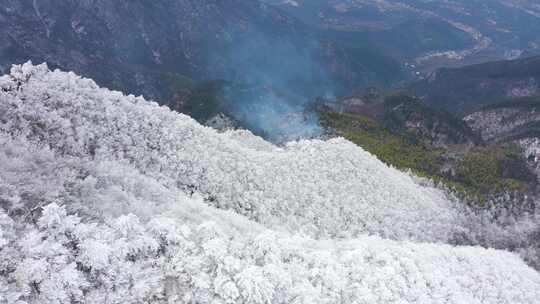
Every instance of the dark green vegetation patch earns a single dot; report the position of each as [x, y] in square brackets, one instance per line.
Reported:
[474, 171]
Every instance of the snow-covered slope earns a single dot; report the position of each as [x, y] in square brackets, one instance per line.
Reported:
[319, 188]
[107, 198]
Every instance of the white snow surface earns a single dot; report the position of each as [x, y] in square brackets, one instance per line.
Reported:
[107, 198]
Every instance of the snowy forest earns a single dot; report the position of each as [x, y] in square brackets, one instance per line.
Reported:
[108, 198]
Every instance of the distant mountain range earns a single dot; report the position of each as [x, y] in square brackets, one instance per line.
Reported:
[467, 89]
[453, 32]
[161, 49]
[138, 46]
[165, 49]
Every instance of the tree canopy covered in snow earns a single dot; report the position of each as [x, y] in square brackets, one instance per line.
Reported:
[107, 198]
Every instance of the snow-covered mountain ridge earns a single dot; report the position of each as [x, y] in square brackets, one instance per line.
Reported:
[107, 198]
[318, 188]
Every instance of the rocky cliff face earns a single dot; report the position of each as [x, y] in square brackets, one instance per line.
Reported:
[408, 116]
[512, 120]
[438, 129]
[516, 122]
[531, 147]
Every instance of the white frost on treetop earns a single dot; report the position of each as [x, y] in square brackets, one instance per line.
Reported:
[107, 198]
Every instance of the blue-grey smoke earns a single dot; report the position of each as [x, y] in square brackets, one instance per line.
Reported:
[276, 117]
[275, 82]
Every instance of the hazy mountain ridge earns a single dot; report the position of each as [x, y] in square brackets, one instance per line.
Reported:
[137, 45]
[160, 49]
